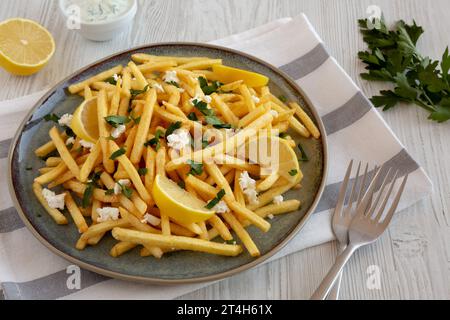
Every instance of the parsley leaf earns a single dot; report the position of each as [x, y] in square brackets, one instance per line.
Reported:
[154, 142]
[142, 171]
[109, 192]
[89, 191]
[304, 156]
[126, 191]
[282, 99]
[182, 184]
[211, 204]
[172, 128]
[209, 88]
[293, 172]
[175, 84]
[51, 117]
[392, 56]
[111, 80]
[115, 121]
[117, 154]
[210, 115]
[283, 135]
[192, 116]
[196, 168]
[135, 93]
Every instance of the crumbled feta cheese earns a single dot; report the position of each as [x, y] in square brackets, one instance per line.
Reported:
[65, 120]
[179, 139]
[208, 99]
[107, 213]
[70, 140]
[154, 221]
[115, 77]
[256, 99]
[278, 199]
[270, 216]
[171, 76]
[248, 186]
[117, 132]
[221, 207]
[119, 184]
[54, 201]
[86, 144]
[252, 196]
[274, 113]
[246, 182]
[158, 87]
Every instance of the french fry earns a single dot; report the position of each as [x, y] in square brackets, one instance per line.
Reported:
[214, 171]
[144, 125]
[52, 161]
[276, 209]
[268, 182]
[115, 101]
[75, 212]
[200, 64]
[54, 213]
[204, 235]
[238, 194]
[309, 124]
[176, 242]
[52, 174]
[157, 66]
[68, 175]
[74, 88]
[98, 229]
[247, 97]
[231, 86]
[102, 112]
[242, 234]
[143, 58]
[90, 162]
[45, 170]
[121, 247]
[64, 152]
[268, 196]
[224, 110]
[132, 173]
[150, 161]
[87, 93]
[221, 228]
[165, 225]
[142, 81]
[293, 123]
[247, 214]
[252, 115]
[160, 161]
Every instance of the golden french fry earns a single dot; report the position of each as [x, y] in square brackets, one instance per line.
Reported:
[64, 152]
[142, 81]
[68, 175]
[165, 224]
[247, 214]
[247, 97]
[144, 125]
[102, 112]
[275, 209]
[200, 64]
[221, 228]
[121, 247]
[309, 124]
[160, 161]
[90, 162]
[157, 66]
[98, 229]
[54, 213]
[214, 171]
[74, 88]
[231, 86]
[252, 115]
[224, 110]
[268, 182]
[52, 174]
[76, 214]
[176, 242]
[242, 234]
[53, 161]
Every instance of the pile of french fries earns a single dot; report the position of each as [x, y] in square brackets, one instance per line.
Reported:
[140, 92]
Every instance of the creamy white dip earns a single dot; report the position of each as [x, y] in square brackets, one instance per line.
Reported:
[94, 11]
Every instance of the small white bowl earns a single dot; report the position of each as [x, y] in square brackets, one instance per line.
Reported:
[104, 30]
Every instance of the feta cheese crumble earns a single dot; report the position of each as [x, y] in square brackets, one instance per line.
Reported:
[171, 76]
[221, 207]
[179, 139]
[117, 132]
[274, 113]
[86, 144]
[116, 77]
[270, 216]
[54, 201]
[208, 99]
[107, 214]
[70, 140]
[158, 87]
[278, 199]
[154, 221]
[119, 184]
[65, 120]
[256, 99]
[248, 186]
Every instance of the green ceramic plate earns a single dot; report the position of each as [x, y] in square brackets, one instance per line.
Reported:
[178, 267]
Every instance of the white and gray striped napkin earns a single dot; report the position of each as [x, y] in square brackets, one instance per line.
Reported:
[30, 271]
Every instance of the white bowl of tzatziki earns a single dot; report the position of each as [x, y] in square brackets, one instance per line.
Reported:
[98, 20]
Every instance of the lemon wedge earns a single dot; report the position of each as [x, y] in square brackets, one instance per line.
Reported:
[85, 121]
[263, 150]
[227, 74]
[25, 46]
[177, 203]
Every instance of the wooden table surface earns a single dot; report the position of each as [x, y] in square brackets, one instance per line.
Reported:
[414, 254]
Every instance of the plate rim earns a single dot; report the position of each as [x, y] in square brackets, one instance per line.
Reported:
[161, 281]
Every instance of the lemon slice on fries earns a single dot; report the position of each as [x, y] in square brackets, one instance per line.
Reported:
[227, 74]
[25, 46]
[85, 121]
[177, 203]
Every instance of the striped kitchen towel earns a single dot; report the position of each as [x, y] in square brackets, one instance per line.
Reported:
[29, 271]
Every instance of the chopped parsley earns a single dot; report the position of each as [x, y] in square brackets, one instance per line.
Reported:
[283, 135]
[175, 84]
[115, 121]
[135, 93]
[111, 80]
[304, 156]
[89, 191]
[172, 128]
[109, 192]
[192, 116]
[216, 200]
[117, 154]
[282, 98]
[209, 88]
[154, 142]
[210, 115]
[51, 117]
[126, 191]
[196, 168]
[293, 172]
[142, 171]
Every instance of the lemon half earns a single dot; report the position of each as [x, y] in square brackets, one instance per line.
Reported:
[177, 203]
[227, 74]
[25, 46]
[85, 121]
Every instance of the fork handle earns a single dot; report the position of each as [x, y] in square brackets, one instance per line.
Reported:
[334, 292]
[329, 280]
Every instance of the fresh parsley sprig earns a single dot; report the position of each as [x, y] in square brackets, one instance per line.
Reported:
[210, 115]
[211, 204]
[196, 167]
[392, 56]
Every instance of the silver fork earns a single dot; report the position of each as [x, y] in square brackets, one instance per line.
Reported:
[342, 217]
[366, 227]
